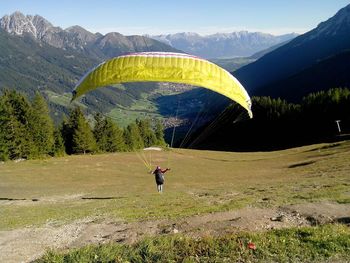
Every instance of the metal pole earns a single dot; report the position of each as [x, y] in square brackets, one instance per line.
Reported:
[338, 125]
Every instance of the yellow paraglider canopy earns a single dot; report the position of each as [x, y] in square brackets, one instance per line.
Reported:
[164, 67]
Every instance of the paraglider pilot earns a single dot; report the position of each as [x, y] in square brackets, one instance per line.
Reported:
[159, 176]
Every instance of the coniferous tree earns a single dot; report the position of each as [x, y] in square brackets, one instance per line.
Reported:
[77, 133]
[67, 135]
[99, 131]
[114, 137]
[83, 140]
[4, 152]
[146, 132]
[109, 137]
[16, 137]
[41, 126]
[58, 148]
[159, 133]
[133, 139]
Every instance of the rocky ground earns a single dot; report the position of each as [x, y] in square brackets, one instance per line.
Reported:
[27, 244]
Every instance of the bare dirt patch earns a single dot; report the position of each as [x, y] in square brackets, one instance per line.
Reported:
[27, 244]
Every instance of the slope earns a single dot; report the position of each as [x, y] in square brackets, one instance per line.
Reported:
[28, 66]
[329, 73]
[329, 38]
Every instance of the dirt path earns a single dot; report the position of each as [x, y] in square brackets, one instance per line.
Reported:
[27, 244]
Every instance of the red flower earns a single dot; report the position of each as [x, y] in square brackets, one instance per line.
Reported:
[251, 245]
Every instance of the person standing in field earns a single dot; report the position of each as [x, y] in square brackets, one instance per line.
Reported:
[159, 176]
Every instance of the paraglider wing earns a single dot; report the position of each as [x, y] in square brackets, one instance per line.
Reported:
[164, 67]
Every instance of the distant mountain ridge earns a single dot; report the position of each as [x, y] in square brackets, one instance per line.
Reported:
[232, 64]
[328, 39]
[77, 38]
[223, 45]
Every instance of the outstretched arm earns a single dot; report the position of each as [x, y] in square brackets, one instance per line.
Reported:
[165, 170]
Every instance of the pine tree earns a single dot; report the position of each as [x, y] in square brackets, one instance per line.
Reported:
[159, 133]
[77, 134]
[114, 137]
[41, 126]
[146, 132]
[83, 140]
[4, 151]
[133, 139]
[99, 131]
[58, 148]
[109, 137]
[17, 141]
[67, 134]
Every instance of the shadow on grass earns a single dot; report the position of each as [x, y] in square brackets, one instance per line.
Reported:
[17, 199]
[344, 220]
[301, 164]
[12, 199]
[102, 198]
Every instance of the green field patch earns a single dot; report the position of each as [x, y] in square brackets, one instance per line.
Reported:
[62, 99]
[144, 106]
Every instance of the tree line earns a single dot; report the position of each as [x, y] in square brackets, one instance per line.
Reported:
[278, 124]
[27, 131]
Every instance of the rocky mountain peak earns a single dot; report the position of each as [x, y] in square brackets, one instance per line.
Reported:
[19, 24]
[38, 27]
[81, 33]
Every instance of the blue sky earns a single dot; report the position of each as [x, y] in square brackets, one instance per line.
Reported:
[164, 16]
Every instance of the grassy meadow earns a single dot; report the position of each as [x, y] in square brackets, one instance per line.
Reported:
[118, 186]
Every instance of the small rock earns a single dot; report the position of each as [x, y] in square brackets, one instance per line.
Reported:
[19, 160]
[295, 213]
[280, 218]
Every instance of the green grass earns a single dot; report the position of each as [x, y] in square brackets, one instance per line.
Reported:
[318, 244]
[143, 110]
[232, 64]
[144, 107]
[199, 182]
[62, 99]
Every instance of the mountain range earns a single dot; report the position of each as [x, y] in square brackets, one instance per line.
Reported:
[306, 53]
[78, 39]
[223, 45]
[35, 55]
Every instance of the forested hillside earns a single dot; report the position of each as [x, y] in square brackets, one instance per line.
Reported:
[27, 131]
[279, 124]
